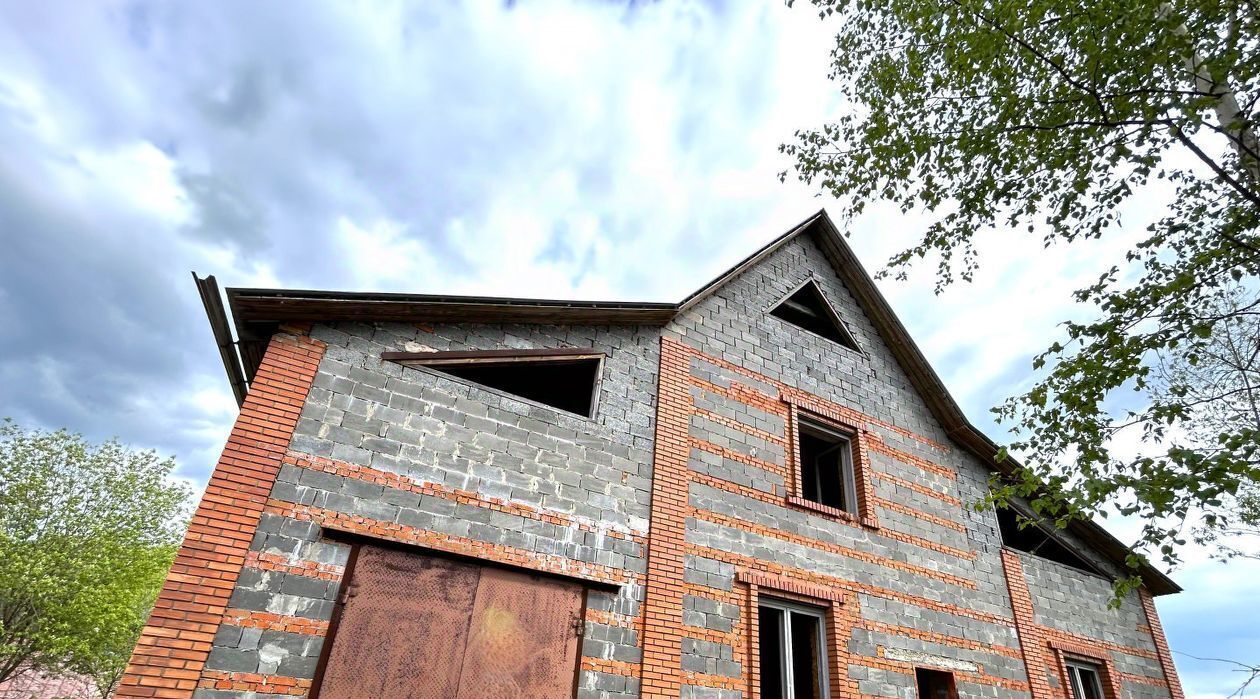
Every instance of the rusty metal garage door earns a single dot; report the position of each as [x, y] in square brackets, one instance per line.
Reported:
[423, 627]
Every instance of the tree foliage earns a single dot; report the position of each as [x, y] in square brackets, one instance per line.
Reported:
[1042, 118]
[87, 533]
[1221, 384]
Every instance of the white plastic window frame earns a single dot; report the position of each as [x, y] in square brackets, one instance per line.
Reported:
[785, 641]
[846, 443]
[1076, 670]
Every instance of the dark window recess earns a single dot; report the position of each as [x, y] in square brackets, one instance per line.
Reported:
[1084, 680]
[1032, 540]
[808, 309]
[770, 627]
[935, 684]
[566, 383]
[793, 664]
[827, 467]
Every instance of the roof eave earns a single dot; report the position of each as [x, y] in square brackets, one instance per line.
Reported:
[748, 262]
[258, 313]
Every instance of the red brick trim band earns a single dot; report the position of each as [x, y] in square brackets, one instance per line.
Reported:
[1130, 678]
[247, 618]
[920, 489]
[1031, 642]
[880, 662]
[833, 512]
[1057, 636]
[824, 545]
[762, 496]
[921, 515]
[733, 455]
[280, 563]
[1161, 645]
[255, 683]
[811, 401]
[609, 666]
[784, 584]
[172, 650]
[751, 563]
[940, 638]
[370, 529]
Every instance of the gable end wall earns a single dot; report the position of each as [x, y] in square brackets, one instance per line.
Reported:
[676, 493]
[926, 586]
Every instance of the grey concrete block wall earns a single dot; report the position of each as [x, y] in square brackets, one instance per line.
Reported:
[430, 428]
[733, 326]
[425, 427]
[1076, 602]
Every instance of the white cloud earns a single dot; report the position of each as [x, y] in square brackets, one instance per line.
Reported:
[139, 176]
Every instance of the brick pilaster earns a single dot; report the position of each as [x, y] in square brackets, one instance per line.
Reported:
[173, 647]
[1161, 645]
[844, 617]
[662, 607]
[752, 625]
[1033, 645]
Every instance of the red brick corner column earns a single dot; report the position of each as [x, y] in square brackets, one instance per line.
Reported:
[662, 607]
[1032, 643]
[175, 643]
[1161, 645]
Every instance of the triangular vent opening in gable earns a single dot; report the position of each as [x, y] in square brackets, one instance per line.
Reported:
[563, 379]
[808, 309]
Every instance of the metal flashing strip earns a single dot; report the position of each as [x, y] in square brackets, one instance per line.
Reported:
[208, 288]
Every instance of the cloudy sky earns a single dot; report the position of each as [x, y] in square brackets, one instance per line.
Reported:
[527, 148]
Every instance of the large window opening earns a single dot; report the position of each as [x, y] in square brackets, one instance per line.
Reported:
[826, 458]
[1085, 681]
[808, 309]
[1031, 539]
[565, 379]
[793, 654]
[935, 684]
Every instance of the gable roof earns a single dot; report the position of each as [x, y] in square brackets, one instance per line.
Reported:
[258, 313]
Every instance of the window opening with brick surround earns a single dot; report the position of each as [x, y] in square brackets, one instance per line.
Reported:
[807, 309]
[1083, 678]
[829, 471]
[1085, 671]
[826, 466]
[793, 650]
[834, 626]
[565, 379]
[935, 684]
[1029, 538]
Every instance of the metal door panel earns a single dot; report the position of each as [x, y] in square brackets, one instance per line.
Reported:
[523, 637]
[403, 629]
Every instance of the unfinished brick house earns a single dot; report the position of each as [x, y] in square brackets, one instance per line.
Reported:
[759, 492]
